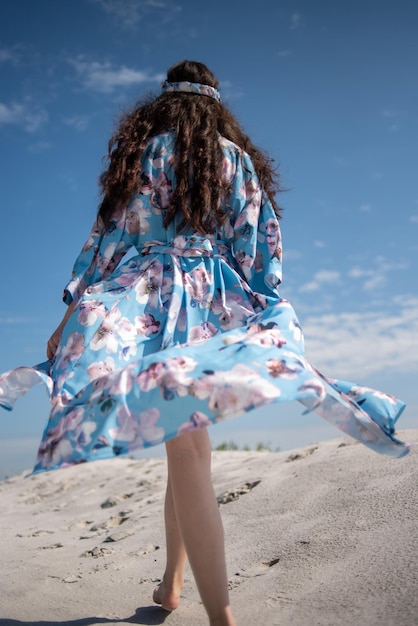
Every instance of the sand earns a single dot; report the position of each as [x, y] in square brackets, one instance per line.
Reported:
[323, 535]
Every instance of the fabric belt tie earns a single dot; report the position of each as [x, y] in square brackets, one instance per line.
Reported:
[186, 246]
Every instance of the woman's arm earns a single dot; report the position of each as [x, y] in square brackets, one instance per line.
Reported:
[257, 239]
[54, 340]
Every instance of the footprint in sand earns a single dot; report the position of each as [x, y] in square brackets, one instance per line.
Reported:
[41, 533]
[297, 456]
[96, 552]
[118, 536]
[233, 494]
[148, 549]
[260, 569]
[112, 522]
[115, 500]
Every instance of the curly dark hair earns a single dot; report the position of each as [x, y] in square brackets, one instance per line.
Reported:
[196, 119]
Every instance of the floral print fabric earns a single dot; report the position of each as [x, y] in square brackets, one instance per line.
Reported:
[189, 331]
[187, 87]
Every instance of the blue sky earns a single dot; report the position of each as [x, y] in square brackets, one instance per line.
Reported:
[328, 88]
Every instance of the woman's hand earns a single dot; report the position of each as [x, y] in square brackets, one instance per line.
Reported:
[54, 340]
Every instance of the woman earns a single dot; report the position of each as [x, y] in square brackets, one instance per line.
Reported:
[190, 331]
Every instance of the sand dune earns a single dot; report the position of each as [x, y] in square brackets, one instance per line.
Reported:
[324, 535]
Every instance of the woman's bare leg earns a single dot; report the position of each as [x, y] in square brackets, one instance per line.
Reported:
[168, 592]
[199, 521]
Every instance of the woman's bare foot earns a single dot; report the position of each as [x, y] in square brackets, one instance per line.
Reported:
[168, 596]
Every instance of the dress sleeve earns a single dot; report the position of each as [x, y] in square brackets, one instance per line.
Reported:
[257, 246]
[99, 256]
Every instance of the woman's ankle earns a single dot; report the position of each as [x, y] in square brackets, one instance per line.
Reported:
[173, 580]
[225, 619]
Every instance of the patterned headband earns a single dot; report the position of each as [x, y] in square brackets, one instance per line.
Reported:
[185, 86]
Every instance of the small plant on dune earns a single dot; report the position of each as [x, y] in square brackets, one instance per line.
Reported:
[231, 445]
[227, 445]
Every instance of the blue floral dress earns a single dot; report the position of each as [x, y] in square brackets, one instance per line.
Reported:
[189, 331]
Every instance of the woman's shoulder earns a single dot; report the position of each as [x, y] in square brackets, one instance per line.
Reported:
[236, 159]
[229, 146]
[163, 145]
[167, 139]
[233, 150]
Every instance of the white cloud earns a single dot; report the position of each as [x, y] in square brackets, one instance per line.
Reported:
[22, 115]
[311, 286]
[105, 78]
[78, 122]
[230, 91]
[292, 254]
[377, 275]
[414, 219]
[5, 55]
[365, 207]
[319, 244]
[323, 277]
[284, 53]
[389, 113]
[374, 278]
[327, 276]
[358, 272]
[129, 13]
[394, 117]
[39, 146]
[389, 266]
[351, 345]
[375, 281]
[374, 274]
[11, 321]
[9, 55]
[340, 161]
[295, 20]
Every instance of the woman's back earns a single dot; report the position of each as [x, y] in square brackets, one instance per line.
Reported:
[147, 209]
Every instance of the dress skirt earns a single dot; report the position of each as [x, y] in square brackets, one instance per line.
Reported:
[190, 331]
[123, 379]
